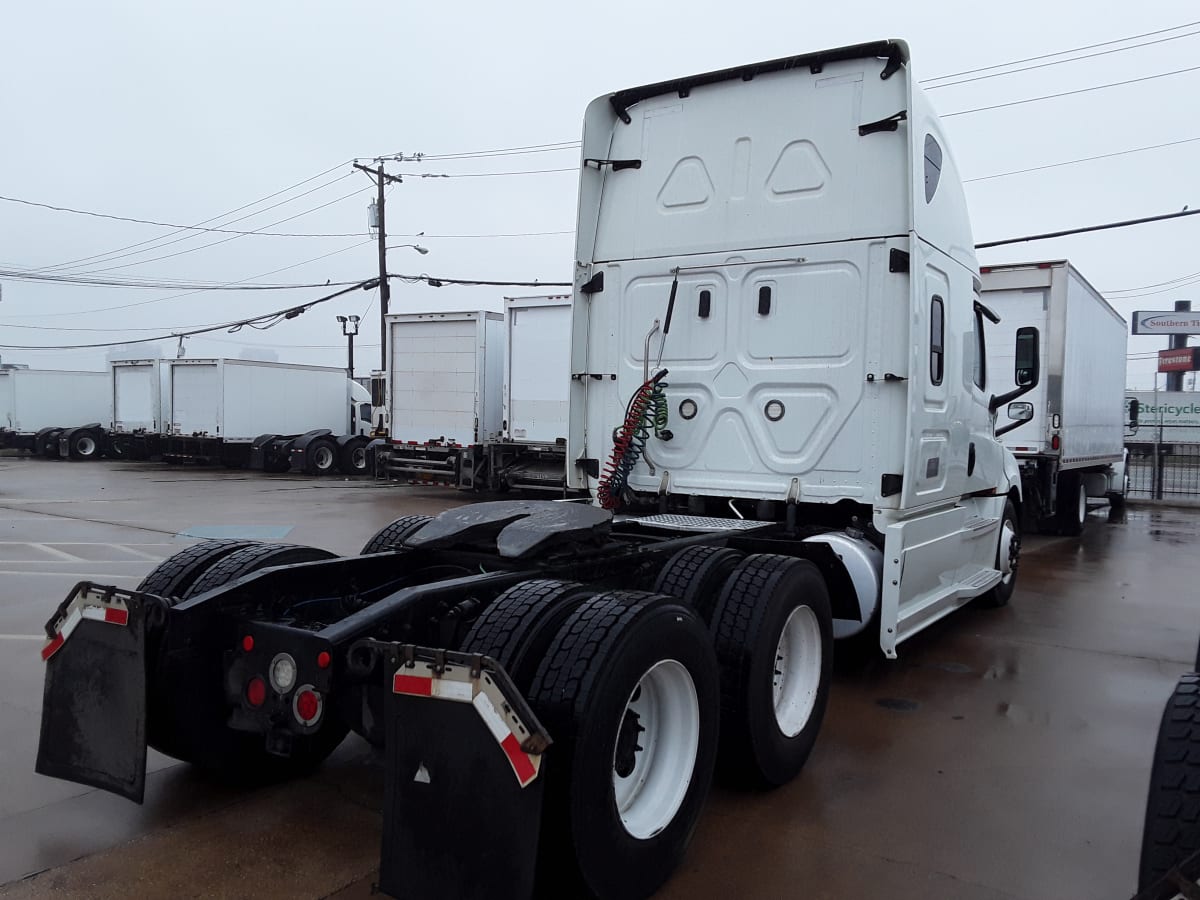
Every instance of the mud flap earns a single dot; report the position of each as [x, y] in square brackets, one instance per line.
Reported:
[94, 703]
[464, 779]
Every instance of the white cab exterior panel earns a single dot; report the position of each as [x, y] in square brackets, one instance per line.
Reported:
[445, 376]
[32, 399]
[1083, 346]
[537, 368]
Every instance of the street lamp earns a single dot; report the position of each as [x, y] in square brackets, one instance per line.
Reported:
[349, 329]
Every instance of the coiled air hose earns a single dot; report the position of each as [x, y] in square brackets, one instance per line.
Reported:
[647, 411]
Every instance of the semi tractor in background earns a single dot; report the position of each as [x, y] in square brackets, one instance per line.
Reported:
[1068, 434]
[35, 404]
[477, 400]
[234, 412]
[781, 410]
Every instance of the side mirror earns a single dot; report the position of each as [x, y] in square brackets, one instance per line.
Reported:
[1027, 373]
[1134, 409]
[1028, 360]
[1020, 412]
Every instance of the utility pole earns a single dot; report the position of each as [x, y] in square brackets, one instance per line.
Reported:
[381, 179]
[1178, 342]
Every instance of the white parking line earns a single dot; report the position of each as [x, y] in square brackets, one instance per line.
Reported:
[54, 551]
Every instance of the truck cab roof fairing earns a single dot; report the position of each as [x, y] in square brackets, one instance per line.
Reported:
[895, 51]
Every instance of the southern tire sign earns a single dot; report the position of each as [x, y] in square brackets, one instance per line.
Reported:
[1164, 322]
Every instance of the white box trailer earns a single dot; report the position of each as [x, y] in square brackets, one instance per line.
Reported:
[239, 399]
[37, 404]
[1073, 447]
[136, 398]
[445, 375]
[537, 368]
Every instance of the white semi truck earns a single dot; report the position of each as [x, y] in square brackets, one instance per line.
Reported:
[267, 415]
[781, 412]
[1073, 446]
[478, 401]
[37, 404]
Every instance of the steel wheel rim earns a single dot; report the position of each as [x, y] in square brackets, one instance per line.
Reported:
[358, 459]
[666, 707]
[797, 672]
[85, 446]
[1010, 549]
[323, 458]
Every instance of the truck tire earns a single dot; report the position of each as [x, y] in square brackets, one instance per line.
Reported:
[518, 626]
[1071, 512]
[352, 457]
[773, 633]
[629, 690]
[1172, 829]
[242, 562]
[696, 575]
[175, 574]
[86, 444]
[1001, 593]
[391, 536]
[321, 457]
[195, 731]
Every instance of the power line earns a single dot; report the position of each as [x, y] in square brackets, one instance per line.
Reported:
[1071, 162]
[502, 234]
[1095, 87]
[114, 254]
[498, 151]
[1142, 287]
[436, 281]
[201, 290]
[228, 239]
[1109, 225]
[1017, 62]
[152, 285]
[99, 215]
[267, 320]
[481, 174]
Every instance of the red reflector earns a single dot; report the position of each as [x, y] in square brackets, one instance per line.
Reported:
[256, 691]
[248, 643]
[307, 706]
[116, 616]
[1054, 442]
[324, 659]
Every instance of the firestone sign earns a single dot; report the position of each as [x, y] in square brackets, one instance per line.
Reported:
[1164, 322]
[1183, 360]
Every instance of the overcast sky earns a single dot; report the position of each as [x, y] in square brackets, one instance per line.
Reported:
[180, 112]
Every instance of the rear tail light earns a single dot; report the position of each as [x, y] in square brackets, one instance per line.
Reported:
[256, 691]
[307, 705]
[248, 643]
[1054, 442]
[324, 659]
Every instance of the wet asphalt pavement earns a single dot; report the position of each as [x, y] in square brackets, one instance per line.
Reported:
[1006, 754]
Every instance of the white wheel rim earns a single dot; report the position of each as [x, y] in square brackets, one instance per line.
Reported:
[797, 673]
[323, 457]
[665, 705]
[1082, 505]
[86, 446]
[1008, 536]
